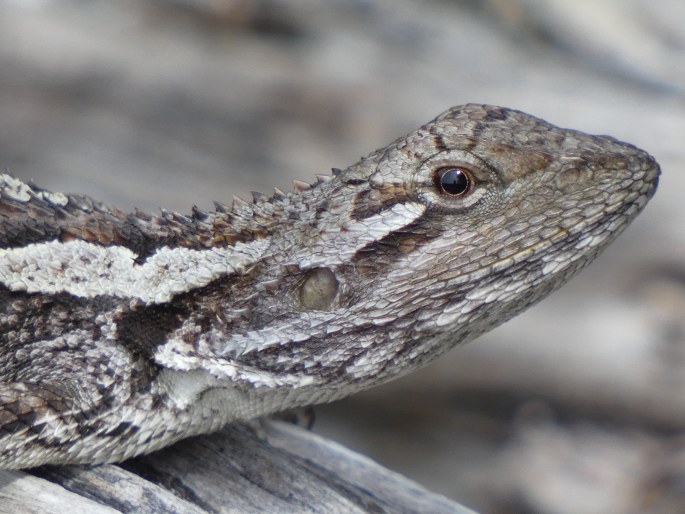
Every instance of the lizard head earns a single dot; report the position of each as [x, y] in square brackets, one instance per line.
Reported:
[426, 244]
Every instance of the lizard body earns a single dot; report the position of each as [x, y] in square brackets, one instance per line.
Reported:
[124, 332]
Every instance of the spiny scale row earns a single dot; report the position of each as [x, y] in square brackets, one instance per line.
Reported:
[239, 206]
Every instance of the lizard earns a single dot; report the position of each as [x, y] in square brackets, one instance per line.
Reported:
[122, 333]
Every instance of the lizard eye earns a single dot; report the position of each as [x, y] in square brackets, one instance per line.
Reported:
[453, 181]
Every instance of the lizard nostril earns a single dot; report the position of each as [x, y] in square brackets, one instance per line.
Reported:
[319, 289]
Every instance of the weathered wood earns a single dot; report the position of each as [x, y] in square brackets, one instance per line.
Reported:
[268, 466]
[22, 493]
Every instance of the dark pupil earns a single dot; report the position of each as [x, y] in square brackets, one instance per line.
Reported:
[454, 181]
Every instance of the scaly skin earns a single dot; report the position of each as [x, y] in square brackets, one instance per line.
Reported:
[122, 333]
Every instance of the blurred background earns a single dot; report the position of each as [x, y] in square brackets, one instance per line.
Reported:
[576, 406]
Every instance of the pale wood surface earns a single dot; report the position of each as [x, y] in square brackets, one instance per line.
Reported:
[264, 467]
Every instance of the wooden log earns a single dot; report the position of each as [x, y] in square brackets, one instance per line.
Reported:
[262, 467]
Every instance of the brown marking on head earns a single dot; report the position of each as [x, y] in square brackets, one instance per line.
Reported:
[378, 198]
[518, 161]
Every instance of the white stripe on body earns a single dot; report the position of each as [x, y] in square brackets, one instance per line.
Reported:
[88, 270]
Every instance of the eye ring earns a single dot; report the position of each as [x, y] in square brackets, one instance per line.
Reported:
[453, 181]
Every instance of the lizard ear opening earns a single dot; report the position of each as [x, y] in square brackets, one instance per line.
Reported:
[318, 290]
